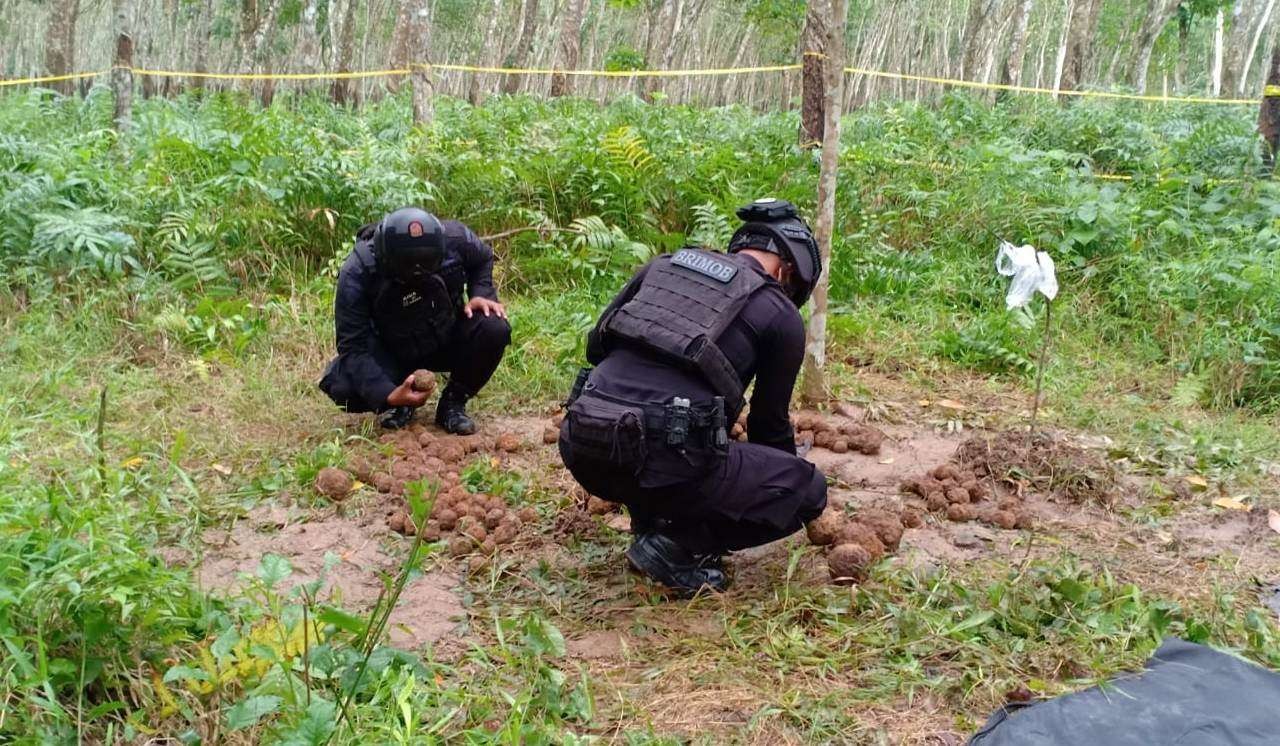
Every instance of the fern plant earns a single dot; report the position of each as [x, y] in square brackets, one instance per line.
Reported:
[710, 227]
[82, 239]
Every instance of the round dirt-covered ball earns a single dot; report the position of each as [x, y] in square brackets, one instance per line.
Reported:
[550, 435]
[911, 518]
[528, 514]
[1003, 519]
[424, 381]
[958, 495]
[476, 531]
[856, 532]
[823, 530]
[888, 527]
[505, 533]
[596, 506]
[333, 483]
[459, 545]
[493, 518]
[961, 512]
[398, 521]
[448, 520]
[508, 442]
[936, 500]
[848, 563]
[431, 532]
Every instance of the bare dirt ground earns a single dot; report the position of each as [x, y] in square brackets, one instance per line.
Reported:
[613, 627]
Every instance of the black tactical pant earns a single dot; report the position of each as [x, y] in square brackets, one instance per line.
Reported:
[752, 496]
[470, 357]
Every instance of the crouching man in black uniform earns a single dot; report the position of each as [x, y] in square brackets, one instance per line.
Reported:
[399, 307]
[674, 353]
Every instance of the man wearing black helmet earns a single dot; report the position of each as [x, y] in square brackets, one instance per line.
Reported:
[674, 353]
[399, 307]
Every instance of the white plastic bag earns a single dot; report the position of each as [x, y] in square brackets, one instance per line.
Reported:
[1031, 271]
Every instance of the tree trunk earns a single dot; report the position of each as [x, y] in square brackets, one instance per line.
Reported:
[1060, 62]
[1243, 80]
[341, 90]
[204, 19]
[489, 54]
[1080, 33]
[1269, 113]
[813, 76]
[1158, 14]
[424, 83]
[1246, 16]
[121, 73]
[309, 45]
[1215, 74]
[1011, 70]
[815, 349]
[980, 14]
[570, 43]
[671, 28]
[400, 43]
[520, 55]
[60, 44]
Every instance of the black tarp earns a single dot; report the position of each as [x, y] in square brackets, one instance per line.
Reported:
[1188, 695]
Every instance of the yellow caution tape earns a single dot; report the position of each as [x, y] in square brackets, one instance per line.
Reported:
[49, 78]
[267, 76]
[621, 73]
[1269, 91]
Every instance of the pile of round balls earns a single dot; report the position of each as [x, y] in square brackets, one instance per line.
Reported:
[958, 491]
[471, 523]
[837, 437]
[855, 542]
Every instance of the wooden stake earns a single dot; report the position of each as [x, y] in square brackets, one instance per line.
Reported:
[1044, 359]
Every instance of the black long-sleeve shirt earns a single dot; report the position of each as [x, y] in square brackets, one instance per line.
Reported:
[765, 343]
[468, 260]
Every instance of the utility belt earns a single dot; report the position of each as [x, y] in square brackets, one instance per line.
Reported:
[619, 430]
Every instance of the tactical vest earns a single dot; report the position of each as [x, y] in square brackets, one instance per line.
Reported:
[413, 321]
[683, 305]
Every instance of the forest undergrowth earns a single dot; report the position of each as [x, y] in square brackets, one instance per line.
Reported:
[186, 269]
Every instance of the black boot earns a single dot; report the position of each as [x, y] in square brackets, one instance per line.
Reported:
[396, 417]
[451, 413]
[685, 573]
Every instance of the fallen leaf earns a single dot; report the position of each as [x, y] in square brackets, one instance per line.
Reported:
[887, 460]
[924, 402]
[1230, 503]
[132, 462]
[356, 485]
[951, 404]
[1196, 481]
[223, 470]
[1273, 520]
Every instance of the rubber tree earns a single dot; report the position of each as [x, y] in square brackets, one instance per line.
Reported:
[815, 387]
[570, 43]
[812, 73]
[121, 72]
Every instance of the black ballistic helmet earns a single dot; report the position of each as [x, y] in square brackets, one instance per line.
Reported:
[409, 244]
[774, 225]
